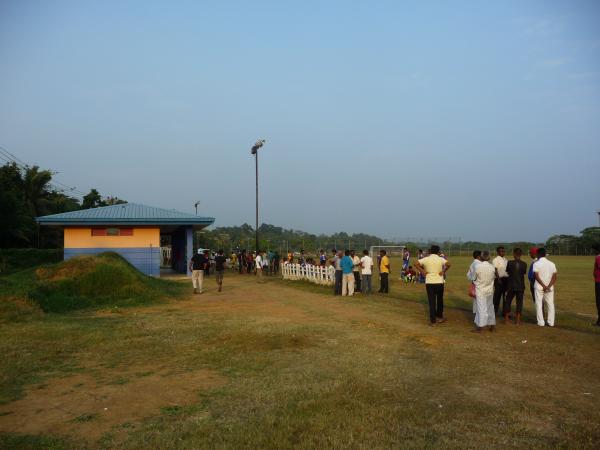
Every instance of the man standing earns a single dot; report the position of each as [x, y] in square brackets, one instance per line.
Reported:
[434, 268]
[597, 280]
[335, 262]
[197, 266]
[485, 275]
[276, 262]
[499, 263]
[220, 268]
[348, 277]
[530, 275]
[356, 270]
[471, 274]
[384, 272]
[545, 279]
[515, 285]
[258, 262]
[366, 262]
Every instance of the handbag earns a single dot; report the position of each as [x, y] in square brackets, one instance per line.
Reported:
[472, 290]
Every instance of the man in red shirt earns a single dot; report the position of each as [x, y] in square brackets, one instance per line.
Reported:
[597, 280]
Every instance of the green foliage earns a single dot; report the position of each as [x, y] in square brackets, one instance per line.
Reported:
[27, 193]
[567, 244]
[82, 282]
[21, 258]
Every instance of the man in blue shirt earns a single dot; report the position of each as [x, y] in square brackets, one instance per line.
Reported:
[347, 276]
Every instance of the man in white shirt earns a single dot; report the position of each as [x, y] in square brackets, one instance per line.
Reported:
[471, 273]
[485, 275]
[258, 264]
[366, 264]
[545, 279]
[500, 263]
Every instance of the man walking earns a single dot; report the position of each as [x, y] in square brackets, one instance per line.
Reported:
[197, 266]
[366, 263]
[515, 285]
[356, 270]
[471, 274]
[335, 262]
[384, 272]
[220, 268]
[348, 277]
[499, 263]
[545, 279]
[434, 268]
[485, 275]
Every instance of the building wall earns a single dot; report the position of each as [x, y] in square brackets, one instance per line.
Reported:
[82, 238]
[142, 249]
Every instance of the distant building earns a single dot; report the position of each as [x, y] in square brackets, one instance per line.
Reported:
[134, 231]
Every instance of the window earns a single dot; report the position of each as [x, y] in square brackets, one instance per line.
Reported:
[112, 231]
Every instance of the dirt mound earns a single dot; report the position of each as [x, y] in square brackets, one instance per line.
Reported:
[91, 281]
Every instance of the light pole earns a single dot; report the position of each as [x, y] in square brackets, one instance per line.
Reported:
[254, 151]
[196, 206]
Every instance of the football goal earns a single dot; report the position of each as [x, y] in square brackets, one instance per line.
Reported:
[391, 251]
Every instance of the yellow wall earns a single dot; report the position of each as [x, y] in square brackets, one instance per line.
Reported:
[82, 238]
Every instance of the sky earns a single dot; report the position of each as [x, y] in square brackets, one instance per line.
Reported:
[465, 119]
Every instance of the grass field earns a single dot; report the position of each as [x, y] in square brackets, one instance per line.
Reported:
[288, 365]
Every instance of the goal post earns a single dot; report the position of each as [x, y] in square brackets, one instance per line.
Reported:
[391, 251]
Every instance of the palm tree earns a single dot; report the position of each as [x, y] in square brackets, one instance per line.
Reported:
[35, 189]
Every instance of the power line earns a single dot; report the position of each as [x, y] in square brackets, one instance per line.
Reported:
[56, 185]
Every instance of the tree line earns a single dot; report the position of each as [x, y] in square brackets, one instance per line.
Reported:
[26, 192]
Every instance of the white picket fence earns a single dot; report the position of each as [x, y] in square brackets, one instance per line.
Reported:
[314, 274]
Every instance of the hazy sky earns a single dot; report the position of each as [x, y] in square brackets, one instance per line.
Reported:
[470, 119]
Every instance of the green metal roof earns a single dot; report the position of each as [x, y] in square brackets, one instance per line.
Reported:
[125, 214]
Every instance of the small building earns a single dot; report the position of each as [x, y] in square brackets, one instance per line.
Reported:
[149, 238]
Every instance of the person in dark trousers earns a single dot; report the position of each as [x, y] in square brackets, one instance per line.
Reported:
[207, 268]
[356, 270]
[516, 270]
[220, 268]
[597, 280]
[530, 275]
[335, 261]
[499, 263]
[384, 272]
[434, 268]
[276, 262]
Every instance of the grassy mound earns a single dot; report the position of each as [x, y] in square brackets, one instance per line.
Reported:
[96, 281]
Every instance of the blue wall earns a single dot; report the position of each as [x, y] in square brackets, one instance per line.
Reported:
[145, 259]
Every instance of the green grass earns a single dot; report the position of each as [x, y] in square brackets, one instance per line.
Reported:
[305, 369]
[87, 282]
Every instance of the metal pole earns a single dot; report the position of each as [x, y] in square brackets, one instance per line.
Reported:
[256, 231]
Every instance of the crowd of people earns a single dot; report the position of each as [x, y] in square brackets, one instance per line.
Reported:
[494, 284]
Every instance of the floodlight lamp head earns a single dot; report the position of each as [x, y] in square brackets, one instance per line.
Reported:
[256, 146]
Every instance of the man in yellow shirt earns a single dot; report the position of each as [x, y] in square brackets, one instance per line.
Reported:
[434, 269]
[384, 272]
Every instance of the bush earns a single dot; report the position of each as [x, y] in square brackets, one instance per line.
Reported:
[96, 281]
[14, 259]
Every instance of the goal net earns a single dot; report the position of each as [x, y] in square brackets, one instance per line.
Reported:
[392, 251]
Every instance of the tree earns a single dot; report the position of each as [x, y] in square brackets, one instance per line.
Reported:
[92, 200]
